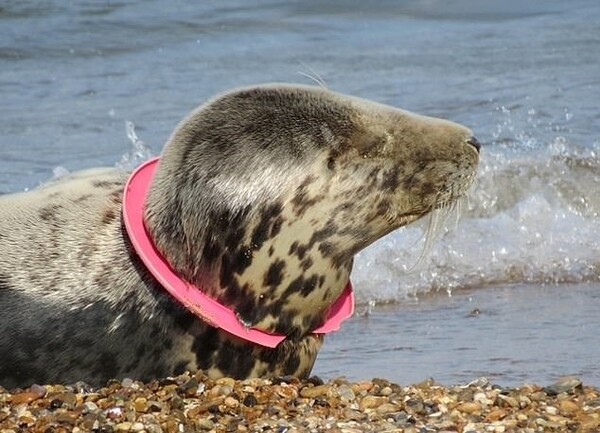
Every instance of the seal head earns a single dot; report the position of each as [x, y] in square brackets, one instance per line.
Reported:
[264, 195]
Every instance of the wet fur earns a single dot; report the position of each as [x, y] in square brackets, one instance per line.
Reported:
[262, 197]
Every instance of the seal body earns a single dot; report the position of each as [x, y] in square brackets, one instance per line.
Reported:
[262, 198]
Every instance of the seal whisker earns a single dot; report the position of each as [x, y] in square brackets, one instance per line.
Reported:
[314, 76]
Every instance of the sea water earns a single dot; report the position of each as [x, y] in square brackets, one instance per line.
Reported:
[511, 291]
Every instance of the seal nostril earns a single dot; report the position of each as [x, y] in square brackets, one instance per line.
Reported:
[473, 142]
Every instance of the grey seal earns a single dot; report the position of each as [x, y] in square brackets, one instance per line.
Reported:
[263, 196]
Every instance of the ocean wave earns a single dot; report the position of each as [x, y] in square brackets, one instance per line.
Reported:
[532, 217]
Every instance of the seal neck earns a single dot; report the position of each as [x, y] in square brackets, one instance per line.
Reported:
[190, 296]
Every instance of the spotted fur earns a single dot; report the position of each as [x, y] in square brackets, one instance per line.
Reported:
[263, 196]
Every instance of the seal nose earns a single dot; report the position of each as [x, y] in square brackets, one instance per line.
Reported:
[473, 142]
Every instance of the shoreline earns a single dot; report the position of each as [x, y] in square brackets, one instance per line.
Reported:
[194, 403]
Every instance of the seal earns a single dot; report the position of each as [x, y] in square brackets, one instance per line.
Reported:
[261, 198]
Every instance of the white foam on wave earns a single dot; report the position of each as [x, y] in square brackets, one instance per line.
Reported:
[533, 217]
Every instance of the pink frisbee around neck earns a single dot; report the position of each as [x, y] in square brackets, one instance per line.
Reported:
[193, 298]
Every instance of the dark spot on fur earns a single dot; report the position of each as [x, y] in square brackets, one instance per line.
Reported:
[302, 286]
[211, 251]
[428, 188]
[331, 163]
[301, 251]
[285, 325]
[4, 283]
[234, 360]
[293, 247]
[309, 285]
[231, 264]
[271, 251]
[227, 277]
[327, 249]
[292, 363]
[108, 216]
[276, 227]
[205, 347]
[324, 233]
[243, 259]
[182, 318]
[274, 274]
[411, 182]
[294, 287]
[270, 222]
[49, 213]
[391, 179]
[105, 184]
[306, 263]
[82, 198]
[383, 207]
[116, 197]
[301, 201]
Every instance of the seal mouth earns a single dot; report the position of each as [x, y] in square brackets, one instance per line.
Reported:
[475, 143]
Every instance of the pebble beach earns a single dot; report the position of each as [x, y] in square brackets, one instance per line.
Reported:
[195, 403]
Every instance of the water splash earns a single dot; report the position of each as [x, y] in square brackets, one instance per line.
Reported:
[138, 153]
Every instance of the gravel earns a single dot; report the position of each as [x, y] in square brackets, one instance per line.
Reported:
[194, 403]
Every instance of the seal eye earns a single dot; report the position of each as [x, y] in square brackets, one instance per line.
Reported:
[331, 163]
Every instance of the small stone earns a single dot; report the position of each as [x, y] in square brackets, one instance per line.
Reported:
[177, 402]
[225, 381]
[90, 407]
[114, 412]
[205, 424]
[386, 408]
[386, 391]
[155, 406]
[25, 397]
[38, 389]
[511, 401]
[314, 391]
[371, 401]
[346, 394]
[250, 401]
[137, 426]
[153, 428]
[568, 407]
[315, 380]
[565, 385]
[189, 388]
[127, 383]
[140, 404]
[231, 402]
[55, 403]
[123, 426]
[496, 414]
[468, 407]
[551, 410]
[69, 400]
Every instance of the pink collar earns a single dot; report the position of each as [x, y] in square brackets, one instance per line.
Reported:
[191, 297]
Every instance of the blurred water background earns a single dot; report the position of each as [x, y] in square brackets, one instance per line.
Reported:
[512, 292]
